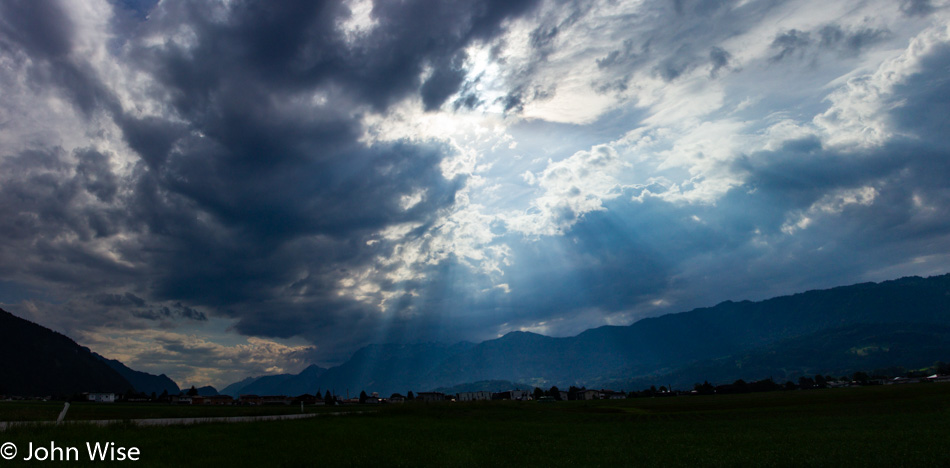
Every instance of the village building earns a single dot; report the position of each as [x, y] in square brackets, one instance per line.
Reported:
[179, 399]
[586, 395]
[101, 397]
[511, 395]
[252, 400]
[276, 400]
[308, 399]
[474, 396]
[430, 396]
[219, 400]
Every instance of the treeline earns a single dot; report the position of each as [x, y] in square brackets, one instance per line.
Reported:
[804, 383]
[817, 381]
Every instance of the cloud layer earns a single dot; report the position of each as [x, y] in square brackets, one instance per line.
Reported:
[185, 183]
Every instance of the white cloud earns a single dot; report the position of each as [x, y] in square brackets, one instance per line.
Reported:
[569, 189]
[830, 204]
[361, 21]
[858, 116]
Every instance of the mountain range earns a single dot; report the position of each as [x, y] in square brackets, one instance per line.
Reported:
[899, 323]
[868, 326]
[142, 381]
[37, 361]
[282, 384]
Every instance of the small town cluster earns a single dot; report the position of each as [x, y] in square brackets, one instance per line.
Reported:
[328, 399]
[553, 394]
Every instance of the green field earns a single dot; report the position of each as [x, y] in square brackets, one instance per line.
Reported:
[871, 426]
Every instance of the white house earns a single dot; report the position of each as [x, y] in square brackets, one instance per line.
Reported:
[101, 397]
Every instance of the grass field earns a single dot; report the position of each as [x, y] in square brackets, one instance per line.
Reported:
[871, 426]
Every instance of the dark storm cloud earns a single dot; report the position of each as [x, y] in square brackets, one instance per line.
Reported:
[444, 82]
[96, 176]
[790, 44]
[245, 198]
[831, 37]
[115, 300]
[850, 42]
[622, 56]
[138, 307]
[43, 33]
[40, 28]
[44, 197]
[295, 45]
[922, 99]
[719, 58]
[916, 7]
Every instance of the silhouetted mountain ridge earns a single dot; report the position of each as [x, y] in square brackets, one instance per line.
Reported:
[142, 381]
[280, 384]
[40, 362]
[656, 346]
[837, 352]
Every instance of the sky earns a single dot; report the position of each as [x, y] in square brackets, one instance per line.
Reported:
[218, 189]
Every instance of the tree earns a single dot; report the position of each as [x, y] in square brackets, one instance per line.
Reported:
[806, 383]
[192, 391]
[739, 386]
[555, 393]
[820, 381]
[363, 396]
[410, 396]
[705, 388]
[860, 377]
[538, 393]
[572, 392]
[328, 399]
[941, 368]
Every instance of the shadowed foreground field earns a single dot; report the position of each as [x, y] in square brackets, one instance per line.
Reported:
[871, 426]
